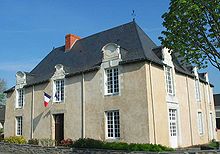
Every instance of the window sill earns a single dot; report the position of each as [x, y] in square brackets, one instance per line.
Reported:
[18, 108]
[61, 102]
[113, 94]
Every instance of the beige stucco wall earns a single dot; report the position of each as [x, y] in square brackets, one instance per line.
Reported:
[142, 104]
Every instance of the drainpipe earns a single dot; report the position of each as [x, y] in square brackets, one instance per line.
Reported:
[152, 97]
[83, 105]
[32, 113]
[190, 122]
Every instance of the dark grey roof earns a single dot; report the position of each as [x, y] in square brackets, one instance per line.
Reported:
[86, 53]
[217, 99]
[2, 113]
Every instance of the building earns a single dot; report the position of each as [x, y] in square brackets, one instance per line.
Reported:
[2, 115]
[217, 113]
[116, 85]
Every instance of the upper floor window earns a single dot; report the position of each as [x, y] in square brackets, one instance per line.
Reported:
[169, 80]
[59, 90]
[113, 124]
[197, 90]
[200, 123]
[19, 122]
[112, 83]
[20, 98]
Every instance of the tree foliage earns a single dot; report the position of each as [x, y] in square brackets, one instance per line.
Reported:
[2, 89]
[193, 30]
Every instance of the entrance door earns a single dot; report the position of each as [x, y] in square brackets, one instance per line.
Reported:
[173, 127]
[59, 129]
[211, 126]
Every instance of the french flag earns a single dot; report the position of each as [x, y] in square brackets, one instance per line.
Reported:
[46, 99]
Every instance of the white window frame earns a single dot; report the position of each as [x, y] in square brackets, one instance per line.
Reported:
[169, 80]
[200, 122]
[197, 90]
[18, 125]
[115, 125]
[20, 98]
[115, 88]
[59, 92]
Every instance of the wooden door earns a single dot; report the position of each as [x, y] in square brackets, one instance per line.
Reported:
[59, 127]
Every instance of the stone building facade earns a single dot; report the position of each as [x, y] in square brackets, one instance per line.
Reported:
[116, 85]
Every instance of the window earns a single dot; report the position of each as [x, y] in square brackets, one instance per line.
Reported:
[200, 123]
[169, 80]
[217, 113]
[197, 90]
[173, 122]
[59, 90]
[112, 83]
[113, 124]
[19, 126]
[20, 98]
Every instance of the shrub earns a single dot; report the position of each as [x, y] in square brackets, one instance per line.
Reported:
[15, 139]
[47, 142]
[1, 131]
[115, 146]
[91, 143]
[66, 142]
[88, 143]
[33, 141]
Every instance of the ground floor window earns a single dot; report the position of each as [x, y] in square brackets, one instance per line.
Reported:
[19, 125]
[217, 113]
[200, 123]
[113, 124]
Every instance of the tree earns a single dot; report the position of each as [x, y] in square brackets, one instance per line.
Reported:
[193, 30]
[2, 89]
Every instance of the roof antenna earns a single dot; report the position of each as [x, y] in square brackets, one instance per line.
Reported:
[133, 15]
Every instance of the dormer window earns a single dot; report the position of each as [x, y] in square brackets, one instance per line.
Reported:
[169, 80]
[58, 84]
[110, 62]
[20, 98]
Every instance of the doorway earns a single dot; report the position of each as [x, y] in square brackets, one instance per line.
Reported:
[59, 127]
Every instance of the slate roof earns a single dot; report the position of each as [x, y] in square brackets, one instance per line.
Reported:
[217, 99]
[86, 55]
[2, 113]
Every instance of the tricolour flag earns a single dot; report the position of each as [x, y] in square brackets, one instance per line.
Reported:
[46, 99]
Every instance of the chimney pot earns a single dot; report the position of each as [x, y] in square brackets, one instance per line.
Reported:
[70, 40]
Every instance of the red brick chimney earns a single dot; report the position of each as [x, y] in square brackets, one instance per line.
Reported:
[70, 40]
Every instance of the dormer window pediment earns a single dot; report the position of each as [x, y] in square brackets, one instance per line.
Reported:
[167, 58]
[59, 72]
[111, 51]
[20, 79]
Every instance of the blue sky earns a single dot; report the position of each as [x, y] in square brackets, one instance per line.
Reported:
[30, 29]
